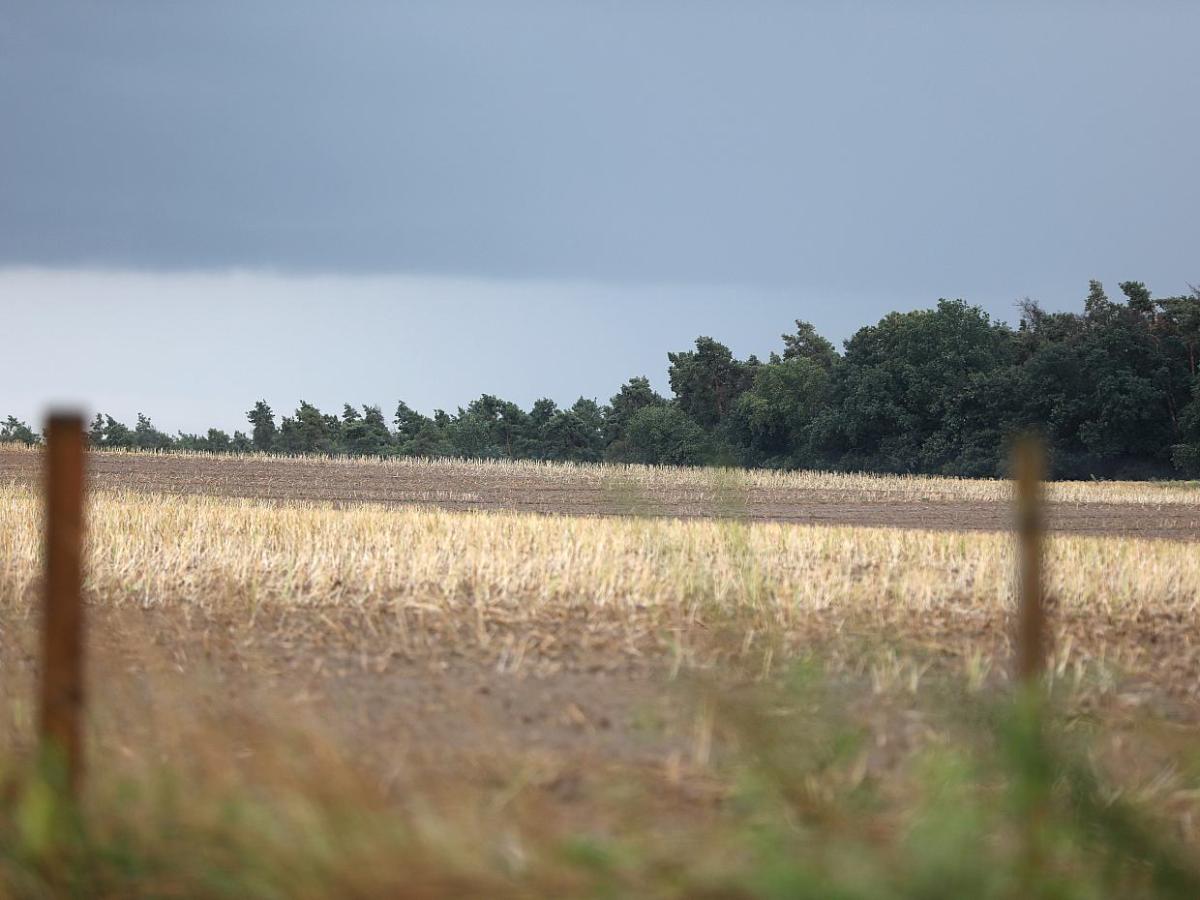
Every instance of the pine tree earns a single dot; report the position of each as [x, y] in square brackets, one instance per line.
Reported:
[96, 432]
[264, 434]
[1138, 296]
[1097, 306]
[14, 431]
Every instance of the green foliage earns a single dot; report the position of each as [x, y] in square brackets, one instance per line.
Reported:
[409, 423]
[665, 435]
[115, 435]
[707, 381]
[1180, 320]
[216, 441]
[543, 410]
[1107, 395]
[1186, 454]
[364, 434]
[574, 435]
[14, 431]
[939, 391]
[1138, 297]
[147, 437]
[805, 343]
[898, 403]
[96, 431]
[635, 394]
[310, 431]
[775, 418]
[418, 435]
[1097, 307]
[264, 433]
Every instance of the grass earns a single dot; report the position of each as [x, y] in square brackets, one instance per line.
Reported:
[1006, 803]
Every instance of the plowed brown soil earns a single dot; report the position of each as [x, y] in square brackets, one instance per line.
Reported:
[569, 491]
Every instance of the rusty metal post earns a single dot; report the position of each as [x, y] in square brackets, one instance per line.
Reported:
[1029, 468]
[62, 693]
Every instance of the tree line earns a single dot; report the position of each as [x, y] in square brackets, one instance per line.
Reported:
[1113, 389]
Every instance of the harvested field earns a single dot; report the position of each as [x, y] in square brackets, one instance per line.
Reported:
[1153, 510]
[385, 601]
[479, 679]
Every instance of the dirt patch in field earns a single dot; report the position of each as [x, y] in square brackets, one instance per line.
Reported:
[581, 492]
[411, 710]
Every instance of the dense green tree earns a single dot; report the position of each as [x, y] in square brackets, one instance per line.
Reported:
[772, 422]
[215, 441]
[1180, 319]
[430, 442]
[288, 441]
[1107, 397]
[707, 381]
[116, 435]
[365, 434]
[14, 431]
[805, 343]
[635, 394]
[218, 441]
[420, 435]
[1097, 307]
[489, 428]
[315, 432]
[1186, 454]
[666, 435]
[379, 439]
[264, 433]
[575, 434]
[542, 412]
[96, 431]
[352, 432]
[1138, 296]
[471, 437]
[507, 425]
[1115, 389]
[409, 423]
[896, 404]
[591, 414]
[147, 437]
[567, 438]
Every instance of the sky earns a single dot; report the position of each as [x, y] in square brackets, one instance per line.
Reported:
[202, 204]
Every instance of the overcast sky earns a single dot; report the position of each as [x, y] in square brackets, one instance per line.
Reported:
[202, 203]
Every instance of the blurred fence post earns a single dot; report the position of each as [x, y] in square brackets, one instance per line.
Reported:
[1029, 468]
[61, 688]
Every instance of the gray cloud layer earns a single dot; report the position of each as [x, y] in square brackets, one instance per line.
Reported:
[922, 149]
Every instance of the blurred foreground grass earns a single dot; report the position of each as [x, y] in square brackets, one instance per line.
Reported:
[1012, 799]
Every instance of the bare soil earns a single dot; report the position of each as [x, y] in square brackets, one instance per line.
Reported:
[418, 707]
[568, 492]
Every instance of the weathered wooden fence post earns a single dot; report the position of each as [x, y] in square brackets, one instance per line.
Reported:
[1029, 468]
[1030, 636]
[61, 688]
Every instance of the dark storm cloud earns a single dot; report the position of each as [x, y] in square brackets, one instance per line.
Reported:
[917, 149]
